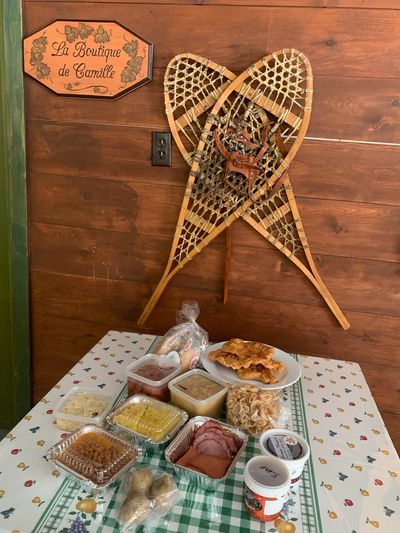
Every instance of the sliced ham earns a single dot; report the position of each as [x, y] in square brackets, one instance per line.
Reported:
[214, 447]
[210, 424]
[231, 442]
[212, 435]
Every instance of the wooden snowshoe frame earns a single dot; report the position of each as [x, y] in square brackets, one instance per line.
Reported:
[275, 93]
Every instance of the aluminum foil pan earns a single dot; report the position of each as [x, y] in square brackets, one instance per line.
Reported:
[94, 474]
[142, 439]
[181, 444]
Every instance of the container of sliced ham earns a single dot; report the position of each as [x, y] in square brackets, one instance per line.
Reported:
[206, 451]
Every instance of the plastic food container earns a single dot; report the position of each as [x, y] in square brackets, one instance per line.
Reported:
[181, 444]
[82, 406]
[159, 372]
[93, 455]
[252, 409]
[199, 393]
[266, 487]
[149, 421]
[290, 448]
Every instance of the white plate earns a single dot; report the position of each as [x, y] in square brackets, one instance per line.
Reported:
[287, 377]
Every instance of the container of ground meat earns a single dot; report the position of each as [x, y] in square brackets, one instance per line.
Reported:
[205, 452]
[82, 406]
[198, 393]
[151, 374]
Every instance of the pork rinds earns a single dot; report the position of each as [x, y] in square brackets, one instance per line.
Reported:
[235, 361]
[257, 372]
[251, 360]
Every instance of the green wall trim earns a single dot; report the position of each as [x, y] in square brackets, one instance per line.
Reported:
[15, 395]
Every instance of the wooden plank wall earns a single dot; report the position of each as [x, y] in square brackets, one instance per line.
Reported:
[102, 218]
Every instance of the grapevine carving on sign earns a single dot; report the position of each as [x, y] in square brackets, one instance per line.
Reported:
[88, 58]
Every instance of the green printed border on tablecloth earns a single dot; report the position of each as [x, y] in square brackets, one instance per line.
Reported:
[69, 488]
[308, 489]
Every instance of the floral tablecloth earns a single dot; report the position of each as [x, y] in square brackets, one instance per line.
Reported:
[351, 483]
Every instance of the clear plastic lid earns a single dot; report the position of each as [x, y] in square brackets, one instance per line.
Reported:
[198, 386]
[170, 365]
[93, 455]
[83, 405]
[149, 418]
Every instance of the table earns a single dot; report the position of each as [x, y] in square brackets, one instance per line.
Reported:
[351, 483]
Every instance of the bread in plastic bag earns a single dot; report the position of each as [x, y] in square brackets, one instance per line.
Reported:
[146, 495]
[255, 410]
[187, 337]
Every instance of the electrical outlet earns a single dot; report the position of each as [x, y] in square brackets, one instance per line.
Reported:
[161, 148]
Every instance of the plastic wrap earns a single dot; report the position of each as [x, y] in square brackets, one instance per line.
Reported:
[187, 338]
[255, 410]
[145, 497]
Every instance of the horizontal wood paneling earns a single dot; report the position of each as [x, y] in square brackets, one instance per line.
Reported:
[361, 4]
[119, 303]
[334, 41]
[365, 109]
[333, 227]
[113, 255]
[336, 171]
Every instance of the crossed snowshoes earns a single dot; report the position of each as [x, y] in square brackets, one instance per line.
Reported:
[239, 135]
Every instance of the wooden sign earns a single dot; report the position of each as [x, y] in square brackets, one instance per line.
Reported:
[88, 58]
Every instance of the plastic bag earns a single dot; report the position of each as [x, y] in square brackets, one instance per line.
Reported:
[187, 338]
[146, 496]
[255, 410]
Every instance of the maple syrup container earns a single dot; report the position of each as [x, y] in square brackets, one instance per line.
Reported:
[266, 487]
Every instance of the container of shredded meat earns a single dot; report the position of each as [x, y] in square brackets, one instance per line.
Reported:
[151, 374]
[82, 406]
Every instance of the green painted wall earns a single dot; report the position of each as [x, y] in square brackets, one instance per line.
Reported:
[15, 398]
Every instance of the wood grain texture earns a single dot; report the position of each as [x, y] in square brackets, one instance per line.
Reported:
[334, 227]
[334, 41]
[113, 255]
[102, 218]
[360, 4]
[363, 109]
[117, 303]
[333, 171]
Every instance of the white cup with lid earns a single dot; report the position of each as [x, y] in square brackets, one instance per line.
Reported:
[289, 447]
[266, 487]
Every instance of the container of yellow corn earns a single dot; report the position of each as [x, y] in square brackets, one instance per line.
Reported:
[149, 421]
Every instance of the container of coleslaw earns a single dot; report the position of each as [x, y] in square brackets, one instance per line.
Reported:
[82, 406]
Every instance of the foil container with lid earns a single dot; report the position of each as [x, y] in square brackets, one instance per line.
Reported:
[94, 472]
[181, 444]
[172, 421]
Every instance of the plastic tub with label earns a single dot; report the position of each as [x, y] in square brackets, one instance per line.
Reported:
[290, 448]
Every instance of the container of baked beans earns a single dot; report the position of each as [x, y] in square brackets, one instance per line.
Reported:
[266, 487]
